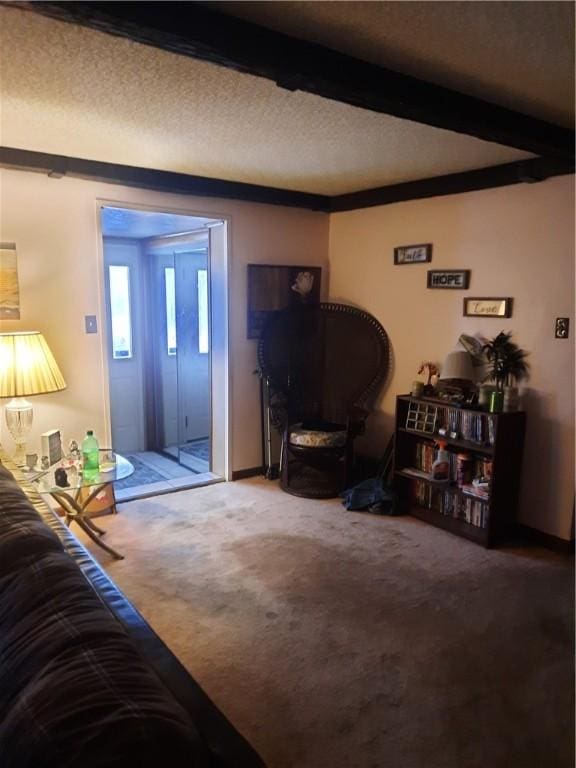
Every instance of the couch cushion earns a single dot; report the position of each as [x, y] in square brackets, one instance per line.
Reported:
[23, 535]
[73, 689]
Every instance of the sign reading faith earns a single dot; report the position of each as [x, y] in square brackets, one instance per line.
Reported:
[448, 278]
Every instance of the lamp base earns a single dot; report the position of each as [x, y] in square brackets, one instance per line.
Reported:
[19, 415]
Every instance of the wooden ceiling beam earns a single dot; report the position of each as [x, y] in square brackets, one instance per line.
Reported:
[191, 29]
[522, 172]
[57, 166]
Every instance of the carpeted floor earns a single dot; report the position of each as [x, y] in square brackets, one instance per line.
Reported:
[334, 639]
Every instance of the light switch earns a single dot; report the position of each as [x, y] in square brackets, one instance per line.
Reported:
[562, 327]
[90, 324]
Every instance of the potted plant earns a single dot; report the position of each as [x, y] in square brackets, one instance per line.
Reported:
[507, 366]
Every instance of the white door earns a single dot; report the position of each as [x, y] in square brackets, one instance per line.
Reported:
[193, 356]
[123, 280]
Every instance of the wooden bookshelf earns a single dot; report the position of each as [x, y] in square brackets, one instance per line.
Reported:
[491, 440]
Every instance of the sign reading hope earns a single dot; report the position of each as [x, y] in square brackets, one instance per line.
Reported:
[449, 278]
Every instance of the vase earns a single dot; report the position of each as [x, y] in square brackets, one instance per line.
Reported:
[496, 401]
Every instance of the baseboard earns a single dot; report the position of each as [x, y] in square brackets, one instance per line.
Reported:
[242, 474]
[547, 540]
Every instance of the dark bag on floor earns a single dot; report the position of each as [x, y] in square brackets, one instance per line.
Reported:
[372, 496]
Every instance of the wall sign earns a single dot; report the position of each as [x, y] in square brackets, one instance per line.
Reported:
[487, 307]
[448, 278]
[413, 254]
[272, 288]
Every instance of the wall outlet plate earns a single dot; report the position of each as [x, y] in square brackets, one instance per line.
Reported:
[90, 324]
[562, 327]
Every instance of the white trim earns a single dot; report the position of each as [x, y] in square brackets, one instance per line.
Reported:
[217, 220]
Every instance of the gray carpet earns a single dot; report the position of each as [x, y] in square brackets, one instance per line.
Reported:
[334, 639]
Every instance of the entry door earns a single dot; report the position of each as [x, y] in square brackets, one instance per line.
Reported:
[193, 334]
[123, 279]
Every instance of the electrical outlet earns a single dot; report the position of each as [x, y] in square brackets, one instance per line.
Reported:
[562, 327]
[90, 324]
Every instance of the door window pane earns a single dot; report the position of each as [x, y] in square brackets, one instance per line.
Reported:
[169, 277]
[203, 311]
[120, 312]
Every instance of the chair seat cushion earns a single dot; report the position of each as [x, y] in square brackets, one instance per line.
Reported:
[318, 435]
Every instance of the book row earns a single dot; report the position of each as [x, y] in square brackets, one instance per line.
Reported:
[470, 510]
[467, 425]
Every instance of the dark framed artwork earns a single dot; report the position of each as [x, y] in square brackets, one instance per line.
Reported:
[272, 288]
[413, 254]
[487, 307]
[448, 278]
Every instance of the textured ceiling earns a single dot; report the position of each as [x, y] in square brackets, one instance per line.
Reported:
[518, 54]
[73, 91]
[137, 224]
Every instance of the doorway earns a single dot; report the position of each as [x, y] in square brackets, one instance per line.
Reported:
[160, 308]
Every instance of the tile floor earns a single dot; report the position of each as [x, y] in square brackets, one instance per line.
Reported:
[176, 477]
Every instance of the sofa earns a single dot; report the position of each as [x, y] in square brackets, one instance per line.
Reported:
[84, 680]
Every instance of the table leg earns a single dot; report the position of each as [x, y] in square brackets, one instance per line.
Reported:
[89, 532]
[76, 511]
[91, 524]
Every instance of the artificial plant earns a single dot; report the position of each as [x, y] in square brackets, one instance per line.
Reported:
[506, 360]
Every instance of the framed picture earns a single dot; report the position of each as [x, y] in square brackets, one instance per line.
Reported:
[449, 278]
[413, 254]
[483, 307]
[272, 288]
[9, 292]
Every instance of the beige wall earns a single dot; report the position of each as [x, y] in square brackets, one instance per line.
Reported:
[517, 241]
[54, 224]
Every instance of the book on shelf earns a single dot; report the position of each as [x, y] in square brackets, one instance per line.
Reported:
[481, 492]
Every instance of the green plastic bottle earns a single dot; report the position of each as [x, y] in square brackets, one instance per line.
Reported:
[90, 458]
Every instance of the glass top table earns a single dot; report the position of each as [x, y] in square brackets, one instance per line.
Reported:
[74, 488]
[112, 467]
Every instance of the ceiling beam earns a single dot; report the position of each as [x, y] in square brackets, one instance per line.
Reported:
[57, 166]
[522, 172]
[190, 29]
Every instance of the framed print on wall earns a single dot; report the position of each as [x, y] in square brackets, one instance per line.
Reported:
[485, 307]
[272, 288]
[9, 290]
[413, 254]
[448, 278]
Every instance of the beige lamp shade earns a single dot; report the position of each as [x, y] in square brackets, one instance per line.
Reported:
[458, 365]
[27, 366]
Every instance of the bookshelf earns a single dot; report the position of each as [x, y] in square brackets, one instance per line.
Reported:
[492, 444]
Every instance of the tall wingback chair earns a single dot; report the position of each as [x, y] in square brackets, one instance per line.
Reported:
[325, 365]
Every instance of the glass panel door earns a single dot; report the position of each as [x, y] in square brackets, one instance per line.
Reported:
[193, 357]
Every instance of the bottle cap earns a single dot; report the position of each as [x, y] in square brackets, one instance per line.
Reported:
[90, 432]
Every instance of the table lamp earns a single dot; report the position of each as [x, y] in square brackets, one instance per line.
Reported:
[27, 367]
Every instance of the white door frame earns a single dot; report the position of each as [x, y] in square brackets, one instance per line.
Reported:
[220, 383]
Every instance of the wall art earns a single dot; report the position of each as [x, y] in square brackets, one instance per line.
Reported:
[272, 288]
[413, 254]
[485, 307]
[9, 290]
[449, 278]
